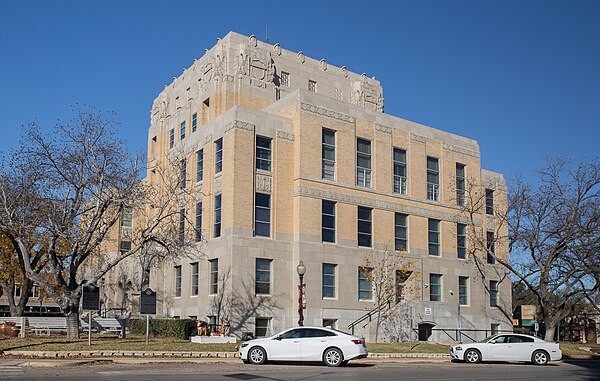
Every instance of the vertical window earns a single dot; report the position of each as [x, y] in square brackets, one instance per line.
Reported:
[312, 86]
[261, 326]
[495, 328]
[328, 280]
[194, 121]
[217, 216]
[181, 225]
[328, 221]
[461, 241]
[363, 163]
[491, 248]
[182, 130]
[263, 153]
[35, 291]
[171, 138]
[365, 288]
[433, 179]
[434, 237]
[127, 217]
[493, 293]
[17, 291]
[182, 173]
[285, 79]
[262, 215]
[401, 231]
[435, 287]
[364, 226]
[199, 221]
[328, 154]
[399, 171]
[177, 281]
[213, 287]
[460, 184]
[489, 202]
[199, 165]
[194, 278]
[125, 246]
[262, 283]
[463, 290]
[218, 156]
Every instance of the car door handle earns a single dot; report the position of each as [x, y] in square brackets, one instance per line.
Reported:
[296, 341]
[323, 341]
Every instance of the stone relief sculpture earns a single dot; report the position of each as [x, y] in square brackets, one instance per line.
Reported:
[301, 56]
[277, 49]
[365, 95]
[344, 71]
[256, 64]
[323, 64]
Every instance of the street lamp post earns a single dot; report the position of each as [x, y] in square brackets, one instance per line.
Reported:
[301, 269]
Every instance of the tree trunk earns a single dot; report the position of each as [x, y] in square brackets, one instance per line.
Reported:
[72, 313]
[377, 326]
[550, 329]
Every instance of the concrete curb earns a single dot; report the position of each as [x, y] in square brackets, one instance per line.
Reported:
[108, 354]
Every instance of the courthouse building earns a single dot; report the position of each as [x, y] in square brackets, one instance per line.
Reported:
[293, 160]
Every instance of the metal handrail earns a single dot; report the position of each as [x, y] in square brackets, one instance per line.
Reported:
[369, 315]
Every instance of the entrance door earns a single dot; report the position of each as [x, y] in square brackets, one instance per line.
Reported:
[425, 331]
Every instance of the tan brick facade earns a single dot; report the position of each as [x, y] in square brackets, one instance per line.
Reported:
[236, 92]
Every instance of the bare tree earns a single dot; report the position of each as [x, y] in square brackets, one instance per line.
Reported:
[384, 270]
[84, 178]
[552, 232]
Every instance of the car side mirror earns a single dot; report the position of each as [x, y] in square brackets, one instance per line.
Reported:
[277, 338]
[492, 341]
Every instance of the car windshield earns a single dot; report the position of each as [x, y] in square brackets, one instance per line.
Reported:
[487, 339]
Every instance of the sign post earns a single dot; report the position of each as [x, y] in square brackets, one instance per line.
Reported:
[90, 302]
[148, 307]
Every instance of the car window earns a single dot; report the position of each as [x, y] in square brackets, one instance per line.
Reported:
[501, 340]
[520, 339]
[311, 332]
[293, 334]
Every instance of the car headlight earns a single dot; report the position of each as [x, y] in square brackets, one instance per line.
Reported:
[458, 348]
[244, 345]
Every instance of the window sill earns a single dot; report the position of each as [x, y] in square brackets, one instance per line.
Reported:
[193, 296]
[329, 298]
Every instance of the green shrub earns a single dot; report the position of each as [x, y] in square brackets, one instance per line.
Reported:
[180, 328]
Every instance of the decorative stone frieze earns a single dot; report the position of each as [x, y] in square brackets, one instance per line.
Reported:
[208, 139]
[418, 138]
[307, 191]
[240, 125]
[384, 129]
[285, 135]
[460, 150]
[328, 113]
[218, 185]
[263, 183]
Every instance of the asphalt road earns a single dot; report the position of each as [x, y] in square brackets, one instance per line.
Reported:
[359, 370]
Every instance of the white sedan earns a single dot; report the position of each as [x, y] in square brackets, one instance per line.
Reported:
[333, 347]
[508, 347]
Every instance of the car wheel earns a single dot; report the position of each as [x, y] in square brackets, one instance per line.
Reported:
[257, 356]
[472, 356]
[540, 357]
[333, 357]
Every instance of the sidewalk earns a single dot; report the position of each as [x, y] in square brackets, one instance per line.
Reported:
[75, 358]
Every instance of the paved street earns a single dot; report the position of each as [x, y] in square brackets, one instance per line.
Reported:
[359, 370]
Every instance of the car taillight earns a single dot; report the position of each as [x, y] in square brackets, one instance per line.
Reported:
[357, 342]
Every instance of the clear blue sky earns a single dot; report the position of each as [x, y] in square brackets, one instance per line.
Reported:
[521, 77]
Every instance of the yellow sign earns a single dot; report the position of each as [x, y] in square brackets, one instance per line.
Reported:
[527, 312]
